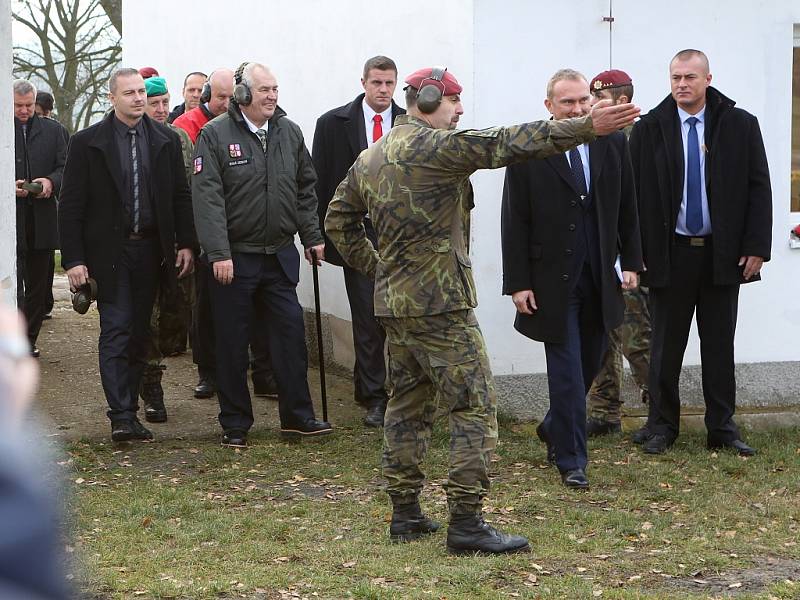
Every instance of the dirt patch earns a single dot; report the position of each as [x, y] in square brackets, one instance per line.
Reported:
[762, 574]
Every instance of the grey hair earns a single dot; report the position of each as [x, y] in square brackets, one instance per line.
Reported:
[247, 73]
[23, 87]
[121, 72]
[562, 75]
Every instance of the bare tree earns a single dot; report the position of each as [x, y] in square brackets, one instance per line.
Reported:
[76, 48]
[113, 9]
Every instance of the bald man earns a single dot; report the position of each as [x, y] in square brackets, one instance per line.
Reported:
[214, 100]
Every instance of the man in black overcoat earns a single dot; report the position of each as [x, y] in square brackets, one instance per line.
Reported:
[565, 219]
[40, 149]
[340, 136]
[125, 207]
[705, 205]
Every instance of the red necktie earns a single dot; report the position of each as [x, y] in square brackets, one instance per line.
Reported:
[377, 130]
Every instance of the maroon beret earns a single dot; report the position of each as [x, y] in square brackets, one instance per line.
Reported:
[147, 72]
[423, 77]
[610, 79]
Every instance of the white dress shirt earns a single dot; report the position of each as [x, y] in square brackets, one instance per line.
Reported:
[700, 126]
[252, 126]
[386, 124]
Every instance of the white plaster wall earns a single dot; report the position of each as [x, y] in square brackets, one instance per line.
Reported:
[503, 53]
[750, 47]
[8, 215]
[317, 50]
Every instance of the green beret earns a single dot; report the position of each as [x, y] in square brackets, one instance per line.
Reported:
[155, 86]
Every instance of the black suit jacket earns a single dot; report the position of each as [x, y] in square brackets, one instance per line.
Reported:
[339, 138]
[43, 156]
[541, 206]
[737, 187]
[92, 218]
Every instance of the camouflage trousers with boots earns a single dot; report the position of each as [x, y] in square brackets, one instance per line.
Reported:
[631, 339]
[431, 358]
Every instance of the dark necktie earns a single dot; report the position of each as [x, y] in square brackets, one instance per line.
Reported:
[576, 166]
[262, 137]
[377, 129]
[134, 179]
[694, 198]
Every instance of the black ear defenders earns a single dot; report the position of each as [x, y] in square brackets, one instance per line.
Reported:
[205, 95]
[241, 91]
[429, 96]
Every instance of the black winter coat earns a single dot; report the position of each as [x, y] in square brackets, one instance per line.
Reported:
[44, 156]
[540, 208]
[737, 187]
[339, 138]
[92, 218]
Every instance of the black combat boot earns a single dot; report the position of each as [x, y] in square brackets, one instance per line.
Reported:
[408, 523]
[597, 427]
[375, 414]
[152, 394]
[469, 533]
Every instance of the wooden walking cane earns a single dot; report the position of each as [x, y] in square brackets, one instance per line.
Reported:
[319, 336]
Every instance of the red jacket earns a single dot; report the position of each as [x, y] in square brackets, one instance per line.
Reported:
[192, 121]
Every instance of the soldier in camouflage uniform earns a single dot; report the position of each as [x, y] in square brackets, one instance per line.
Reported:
[632, 338]
[414, 183]
[172, 314]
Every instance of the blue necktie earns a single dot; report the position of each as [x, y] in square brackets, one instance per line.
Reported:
[694, 203]
[576, 166]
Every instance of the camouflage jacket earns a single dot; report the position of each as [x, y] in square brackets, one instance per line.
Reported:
[414, 182]
[187, 148]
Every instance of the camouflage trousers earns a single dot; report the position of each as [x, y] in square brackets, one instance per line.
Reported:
[632, 339]
[169, 326]
[431, 359]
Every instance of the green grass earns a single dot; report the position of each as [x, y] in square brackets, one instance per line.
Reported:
[188, 519]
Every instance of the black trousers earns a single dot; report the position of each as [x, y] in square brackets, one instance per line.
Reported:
[202, 336]
[32, 278]
[571, 368]
[369, 370]
[263, 285]
[49, 300]
[692, 289]
[125, 326]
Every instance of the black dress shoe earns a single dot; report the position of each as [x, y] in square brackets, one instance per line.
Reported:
[657, 444]
[468, 534]
[409, 523]
[738, 446]
[575, 479]
[234, 439]
[124, 430]
[375, 414]
[551, 450]
[598, 427]
[35, 352]
[641, 435]
[308, 428]
[205, 388]
[47, 317]
[121, 431]
[140, 432]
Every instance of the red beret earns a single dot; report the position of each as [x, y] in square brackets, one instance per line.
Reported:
[147, 72]
[423, 77]
[610, 79]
